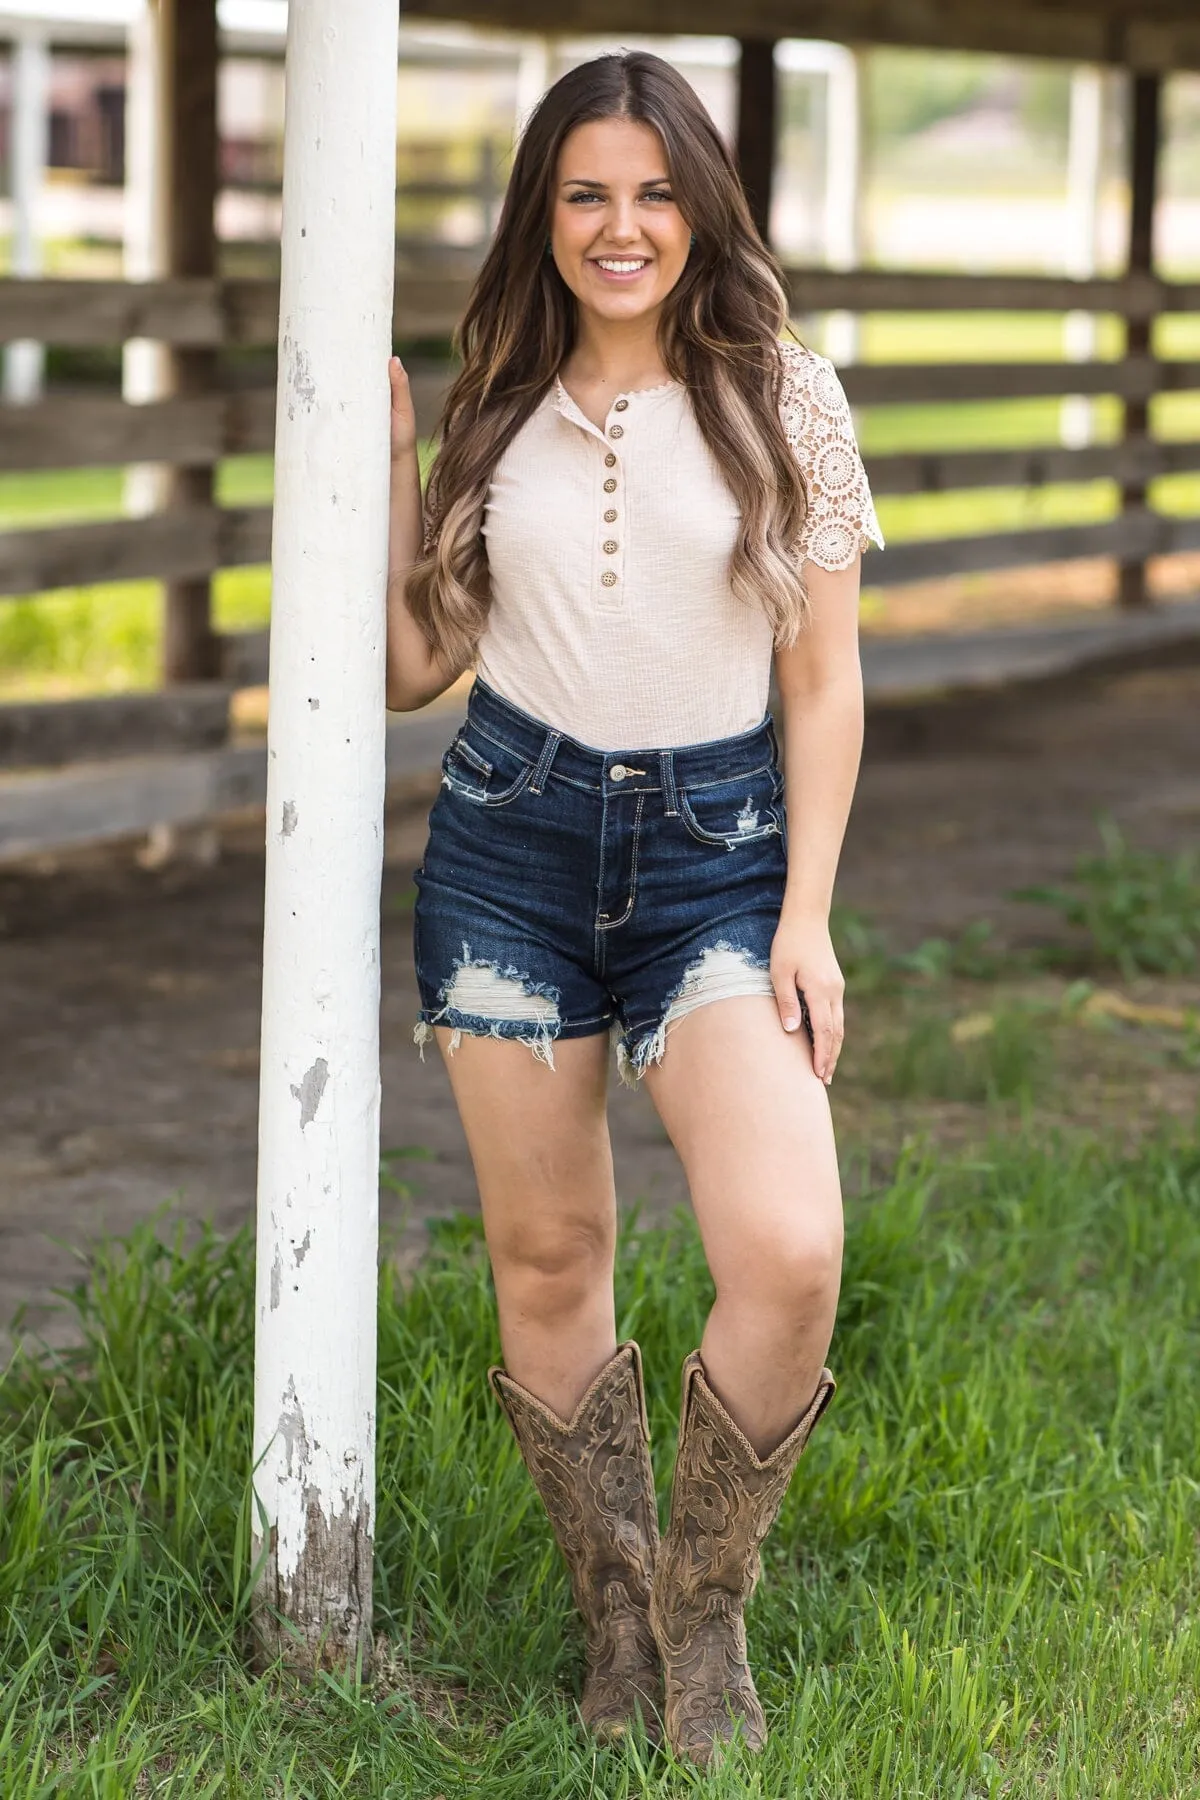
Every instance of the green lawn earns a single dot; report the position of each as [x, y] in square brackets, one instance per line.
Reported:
[106, 638]
[984, 1581]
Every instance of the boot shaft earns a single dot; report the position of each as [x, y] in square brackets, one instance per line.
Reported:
[594, 1476]
[725, 1498]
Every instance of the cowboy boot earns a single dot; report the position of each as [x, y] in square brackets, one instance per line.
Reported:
[594, 1476]
[723, 1503]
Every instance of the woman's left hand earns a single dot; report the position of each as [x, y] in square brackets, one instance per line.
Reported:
[803, 964]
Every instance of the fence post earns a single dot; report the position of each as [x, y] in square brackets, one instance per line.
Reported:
[757, 106]
[188, 41]
[318, 1174]
[1085, 168]
[1145, 131]
[146, 368]
[25, 359]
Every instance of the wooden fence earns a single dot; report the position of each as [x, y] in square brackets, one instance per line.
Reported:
[190, 541]
[198, 429]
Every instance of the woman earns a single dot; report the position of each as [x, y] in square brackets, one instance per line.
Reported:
[641, 496]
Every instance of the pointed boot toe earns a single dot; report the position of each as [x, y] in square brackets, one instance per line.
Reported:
[723, 1502]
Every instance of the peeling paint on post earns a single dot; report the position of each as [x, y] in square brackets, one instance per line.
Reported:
[318, 1182]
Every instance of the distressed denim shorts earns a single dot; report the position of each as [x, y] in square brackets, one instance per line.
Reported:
[566, 890]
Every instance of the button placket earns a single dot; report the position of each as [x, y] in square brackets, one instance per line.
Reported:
[610, 542]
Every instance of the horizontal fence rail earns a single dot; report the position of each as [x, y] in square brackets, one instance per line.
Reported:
[206, 314]
[914, 384]
[943, 471]
[165, 546]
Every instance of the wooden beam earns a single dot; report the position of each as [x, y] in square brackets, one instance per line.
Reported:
[887, 290]
[100, 431]
[208, 313]
[757, 109]
[1113, 31]
[1145, 533]
[94, 431]
[913, 384]
[907, 668]
[50, 733]
[181, 545]
[163, 545]
[84, 314]
[938, 472]
[1145, 134]
[190, 651]
[126, 798]
[91, 432]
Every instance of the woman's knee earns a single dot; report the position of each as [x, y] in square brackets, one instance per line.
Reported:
[788, 1272]
[552, 1266]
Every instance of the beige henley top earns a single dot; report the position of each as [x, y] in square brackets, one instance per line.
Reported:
[612, 617]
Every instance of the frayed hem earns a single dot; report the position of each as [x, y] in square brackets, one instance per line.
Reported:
[540, 1041]
[723, 971]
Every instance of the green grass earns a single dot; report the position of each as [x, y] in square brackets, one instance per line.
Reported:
[1004, 1054]
[871, 966]
[1134, 910]
[107, 638]
[983, 1583]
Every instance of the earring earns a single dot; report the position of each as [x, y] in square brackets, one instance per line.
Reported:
[693, 242]
[547, 251]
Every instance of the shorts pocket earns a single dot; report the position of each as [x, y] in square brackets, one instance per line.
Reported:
[484, 772]
[743, 810]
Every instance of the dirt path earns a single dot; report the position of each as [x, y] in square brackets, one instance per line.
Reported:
[129, 997]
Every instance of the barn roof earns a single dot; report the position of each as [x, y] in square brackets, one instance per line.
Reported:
[1145, 34]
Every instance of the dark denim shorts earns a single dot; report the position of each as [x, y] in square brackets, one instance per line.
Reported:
[567, 891]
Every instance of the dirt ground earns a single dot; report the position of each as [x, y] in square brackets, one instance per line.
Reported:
[130, 995]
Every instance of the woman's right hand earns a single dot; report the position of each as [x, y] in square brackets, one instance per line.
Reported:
[404, 419]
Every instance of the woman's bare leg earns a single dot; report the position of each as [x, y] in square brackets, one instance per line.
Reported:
[543, 1163]
[751, 1124]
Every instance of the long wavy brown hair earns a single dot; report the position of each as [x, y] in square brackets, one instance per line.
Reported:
[718, 334]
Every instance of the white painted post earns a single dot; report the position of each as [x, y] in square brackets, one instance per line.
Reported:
[24, 360]
[145, 364]
[534, 65]
[1085, 148]
[318, 1185]
[842, 200]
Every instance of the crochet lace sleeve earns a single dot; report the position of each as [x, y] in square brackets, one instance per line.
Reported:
[816, 419]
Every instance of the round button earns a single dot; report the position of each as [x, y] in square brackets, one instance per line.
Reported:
[610, 459]
[611, 546]
[620, 405]
[616, 431]
[610, 486]
[618, 771]
[608, 579]
[610, 517]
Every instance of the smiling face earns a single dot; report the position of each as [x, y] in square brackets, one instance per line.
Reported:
[619, 241]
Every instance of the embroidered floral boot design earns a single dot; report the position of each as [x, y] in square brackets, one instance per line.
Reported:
[723, 1503]
[593, 1474]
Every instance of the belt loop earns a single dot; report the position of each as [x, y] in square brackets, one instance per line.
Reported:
[553, 740]
[670, 797]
